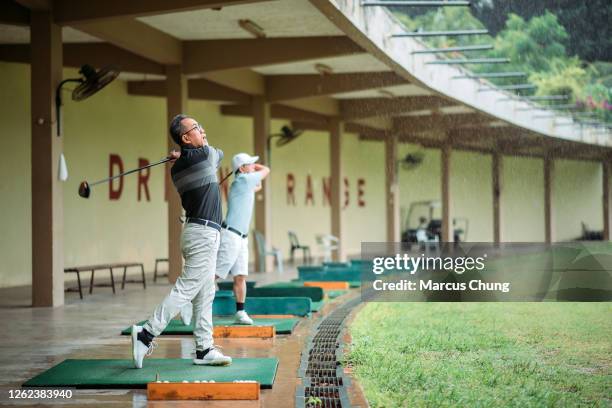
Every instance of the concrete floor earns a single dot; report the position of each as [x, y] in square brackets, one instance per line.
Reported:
[34, 339]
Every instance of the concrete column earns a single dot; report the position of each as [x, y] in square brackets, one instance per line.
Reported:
[263, 201]
[447, 219]
[47, 145]
[392, 189]
[176, 102]
[336, 128]
[549, 173]
[607, 213]
[497, 171]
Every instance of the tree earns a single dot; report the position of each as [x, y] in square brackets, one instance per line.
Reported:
[587, 22]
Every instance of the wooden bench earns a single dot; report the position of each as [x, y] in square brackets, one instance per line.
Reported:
[158, 261]
[110, 267]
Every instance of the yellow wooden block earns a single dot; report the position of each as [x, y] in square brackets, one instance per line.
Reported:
[263, 332]
[157, 391]
[333, 285]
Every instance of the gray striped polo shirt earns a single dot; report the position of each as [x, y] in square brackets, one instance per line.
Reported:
[194, 175]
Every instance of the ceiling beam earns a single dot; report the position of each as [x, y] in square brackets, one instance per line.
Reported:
[215, 55]
[412, 124]
[285, 87]
[14, 14]
[278, 112]
[38, 5]
[68, 12]
[362, 130]
[96, 54]
[368, 107]
[196, 88]
[138, 38]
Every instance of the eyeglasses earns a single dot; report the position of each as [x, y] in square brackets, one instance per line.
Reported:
[196, 126]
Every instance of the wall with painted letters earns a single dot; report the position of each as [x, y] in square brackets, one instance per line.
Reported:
[126, 220]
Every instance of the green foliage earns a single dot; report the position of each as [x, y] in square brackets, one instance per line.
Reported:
[314, 402]
[587, 22]
[563, 77]
[531, 45]
[536, 46]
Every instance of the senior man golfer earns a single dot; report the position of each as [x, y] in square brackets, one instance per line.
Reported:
[194, 175]
[233, 255]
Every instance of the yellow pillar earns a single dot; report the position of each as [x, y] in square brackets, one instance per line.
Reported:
[447, 219]
[47, 191]
[261, 131]
[549, 228]
[176, 102]
[607, 213]
[392, 189]
[336, 128]
[497, 170]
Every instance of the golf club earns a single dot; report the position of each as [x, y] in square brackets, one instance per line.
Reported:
[85, 188]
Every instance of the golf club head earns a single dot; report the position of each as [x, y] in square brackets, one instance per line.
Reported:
[84, 190]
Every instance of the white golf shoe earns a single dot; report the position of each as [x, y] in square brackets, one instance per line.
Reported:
[213, 357]
[242, 318]
[187, 314]
[139, 350]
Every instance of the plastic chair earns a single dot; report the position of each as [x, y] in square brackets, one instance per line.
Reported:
[327, 243]
[295, 245]
[263, 252]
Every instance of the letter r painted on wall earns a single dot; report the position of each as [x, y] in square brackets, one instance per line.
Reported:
[143, 178]
[290, 187]
[114, 160]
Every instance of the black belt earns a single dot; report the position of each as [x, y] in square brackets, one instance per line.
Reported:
[234, 230]
[206, 223]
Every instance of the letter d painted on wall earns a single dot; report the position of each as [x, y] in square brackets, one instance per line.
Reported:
[115, 160]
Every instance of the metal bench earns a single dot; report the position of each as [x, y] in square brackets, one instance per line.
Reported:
[110, 267]
[158, 261]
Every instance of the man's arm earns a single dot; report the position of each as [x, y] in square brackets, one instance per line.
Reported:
[263, 173]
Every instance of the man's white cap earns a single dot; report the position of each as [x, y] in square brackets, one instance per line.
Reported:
[241, 159]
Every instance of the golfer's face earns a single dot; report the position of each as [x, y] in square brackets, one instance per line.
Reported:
[195, 132]
[248, 168]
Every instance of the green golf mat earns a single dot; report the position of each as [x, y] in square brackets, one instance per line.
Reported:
[229, 285]
[101, 373]
[298, 306]
[314, 293]
[316, 306]
[334, 293]
[282, 326]
[299, 283]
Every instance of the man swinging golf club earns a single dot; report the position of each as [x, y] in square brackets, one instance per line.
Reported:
[194, 175]
[233, 255]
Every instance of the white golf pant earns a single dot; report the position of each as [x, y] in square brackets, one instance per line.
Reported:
[196, 284]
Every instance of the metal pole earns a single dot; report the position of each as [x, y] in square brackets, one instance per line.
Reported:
[493, 75]
[470, 61]
[452, 49]
[536, 98]
[450, 3]
[441, 33]
[508, 87]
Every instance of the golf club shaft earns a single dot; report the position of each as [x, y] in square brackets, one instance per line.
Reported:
[130, 171]
[142, 168]
[225, 178]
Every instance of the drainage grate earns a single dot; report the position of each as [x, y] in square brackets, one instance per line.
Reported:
[314, 372]
[323, 384]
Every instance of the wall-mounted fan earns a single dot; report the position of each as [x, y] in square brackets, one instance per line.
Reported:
[412, 160]
[92, 81]
[286, 136]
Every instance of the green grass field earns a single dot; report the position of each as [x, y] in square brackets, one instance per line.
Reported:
[484, 354]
